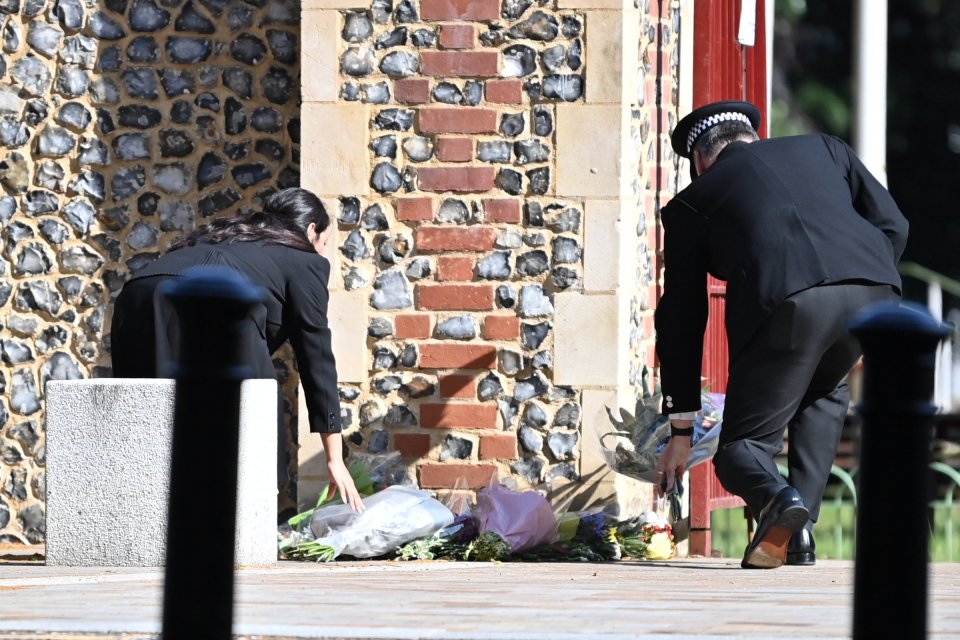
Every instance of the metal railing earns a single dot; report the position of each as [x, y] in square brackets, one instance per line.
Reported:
[843, 502]
[946, 394]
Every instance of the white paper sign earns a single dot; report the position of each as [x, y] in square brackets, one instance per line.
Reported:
[747, 34]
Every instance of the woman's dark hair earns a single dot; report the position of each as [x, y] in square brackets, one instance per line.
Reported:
[284, 220]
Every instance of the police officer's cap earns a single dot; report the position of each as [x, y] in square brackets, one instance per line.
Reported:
[700, 120]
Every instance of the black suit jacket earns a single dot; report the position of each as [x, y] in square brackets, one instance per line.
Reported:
[294, 308]
[771, 218]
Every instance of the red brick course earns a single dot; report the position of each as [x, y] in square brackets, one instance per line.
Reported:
[504, 91]
[441, 355]
[436, 10]
[461, 64]
[458, 179]
[457, 36]
[457, 120]
[445, 476]
[461, 415]
[414, 209]
[412, 90]
[456, 268]
[502, 210]
[455, 297]
[454, 149]
[502, 445]
[475, 238]
[412, 445]
[412, 326]
[501, 327]
[458, 385]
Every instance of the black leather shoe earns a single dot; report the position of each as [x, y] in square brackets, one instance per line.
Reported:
[801, 551]
[783, 516]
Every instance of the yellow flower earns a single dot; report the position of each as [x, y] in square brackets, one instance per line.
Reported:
[660, 547]
[567, 525]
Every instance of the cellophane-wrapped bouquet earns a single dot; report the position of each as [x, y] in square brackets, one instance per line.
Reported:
[393, 516]
[505, 525]
[588, 536]
[638, 438]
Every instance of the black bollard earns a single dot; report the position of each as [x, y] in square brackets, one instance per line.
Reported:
[212, 304]
[890, 581]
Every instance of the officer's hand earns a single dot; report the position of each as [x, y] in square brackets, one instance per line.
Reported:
[673, 460]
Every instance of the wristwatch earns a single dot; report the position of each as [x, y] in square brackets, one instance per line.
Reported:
[682, 431]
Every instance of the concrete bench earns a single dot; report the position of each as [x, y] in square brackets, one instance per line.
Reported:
[108, 459]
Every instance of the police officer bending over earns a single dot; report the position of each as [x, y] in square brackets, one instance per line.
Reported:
[804, 237]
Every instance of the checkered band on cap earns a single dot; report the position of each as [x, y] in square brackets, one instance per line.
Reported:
[698, 129]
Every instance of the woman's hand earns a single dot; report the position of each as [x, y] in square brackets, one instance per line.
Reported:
[340, 478]
[673, 459]
[342, 481]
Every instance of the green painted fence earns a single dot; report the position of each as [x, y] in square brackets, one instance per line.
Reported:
[836, 531]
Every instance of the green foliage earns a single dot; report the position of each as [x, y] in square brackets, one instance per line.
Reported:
[486, 547]
[835, 532]
[308, 551]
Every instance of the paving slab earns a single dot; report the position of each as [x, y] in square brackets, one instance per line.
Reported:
[684, 598]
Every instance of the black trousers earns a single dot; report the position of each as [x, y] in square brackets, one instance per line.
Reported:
[792, 377]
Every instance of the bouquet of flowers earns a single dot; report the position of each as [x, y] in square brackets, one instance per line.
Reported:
[595, 529]
[450, 543]
[638, 439]
[296, 541]
[394, 515]
[647, 536]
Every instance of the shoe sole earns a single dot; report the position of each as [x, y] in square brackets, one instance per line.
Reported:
[771, 551]
[801, 559]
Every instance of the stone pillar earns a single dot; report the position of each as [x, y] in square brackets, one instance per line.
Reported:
[123, 125]
[108, 487]
[492, 167]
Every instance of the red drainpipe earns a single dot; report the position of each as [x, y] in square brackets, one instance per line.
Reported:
[723, 69]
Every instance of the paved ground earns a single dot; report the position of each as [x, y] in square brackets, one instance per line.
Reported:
[686, 598]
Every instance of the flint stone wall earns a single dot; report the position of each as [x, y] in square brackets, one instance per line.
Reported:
[123, 124]
[494, 169]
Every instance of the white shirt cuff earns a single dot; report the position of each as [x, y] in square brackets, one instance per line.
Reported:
[683, 415]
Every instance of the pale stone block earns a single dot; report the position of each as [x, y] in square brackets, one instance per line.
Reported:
[312, 474]
[632, 496]
[334, 149]
[307, 5]
[586, 340]
[311, 457]
[108, 466]
[308, 491]
[348, 322]
[619, 5]
[593, 424]
[347, 314]
[589, 151]
[605, 70]
[603, 235]
[332, 251]
[632, 63]
[319, 59]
